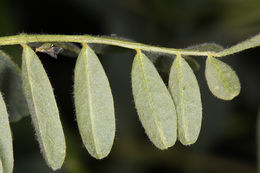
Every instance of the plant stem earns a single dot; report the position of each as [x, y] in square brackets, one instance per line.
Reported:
[24, 39]
[247, 44]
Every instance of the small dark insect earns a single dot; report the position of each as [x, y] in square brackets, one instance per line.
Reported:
[50, 49]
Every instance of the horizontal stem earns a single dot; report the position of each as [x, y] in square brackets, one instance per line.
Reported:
[23, 38]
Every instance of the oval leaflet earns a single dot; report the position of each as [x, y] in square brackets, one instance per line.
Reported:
[222, 80]
[1, 167]
[43, 109]
[153, 103]
[6, 145]
[94, 104]
[11, 87]
[185, 92]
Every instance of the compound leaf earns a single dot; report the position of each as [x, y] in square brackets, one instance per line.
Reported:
[222, 80]
[185, 92]
[153, 102]
[43, 109]
[11, 87]
[6, 146]
[94, 104]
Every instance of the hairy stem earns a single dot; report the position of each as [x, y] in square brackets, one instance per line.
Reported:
[24, 38]
[247, 44]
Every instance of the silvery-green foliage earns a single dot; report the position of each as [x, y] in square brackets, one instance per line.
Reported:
[11, 87]
[164, 115]
[185, 92]
[153, 102]
[94, 104]
[222, 80]
[6, 146]
[43, 109]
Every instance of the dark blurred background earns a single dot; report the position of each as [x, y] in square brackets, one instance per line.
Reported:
[227, 142]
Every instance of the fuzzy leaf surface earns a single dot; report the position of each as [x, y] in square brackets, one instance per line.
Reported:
[11, 87]
[6, 145]
[43, 109]
[185, 92]
[222, 80]
[153, 102]
[94, 104]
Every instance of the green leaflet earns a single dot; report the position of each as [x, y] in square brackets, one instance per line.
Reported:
[185, 92]
[153, 103]
[222, 80]
[43, 109]
[11, 87]
[94, 104]
[1, 167]
[6, 146]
